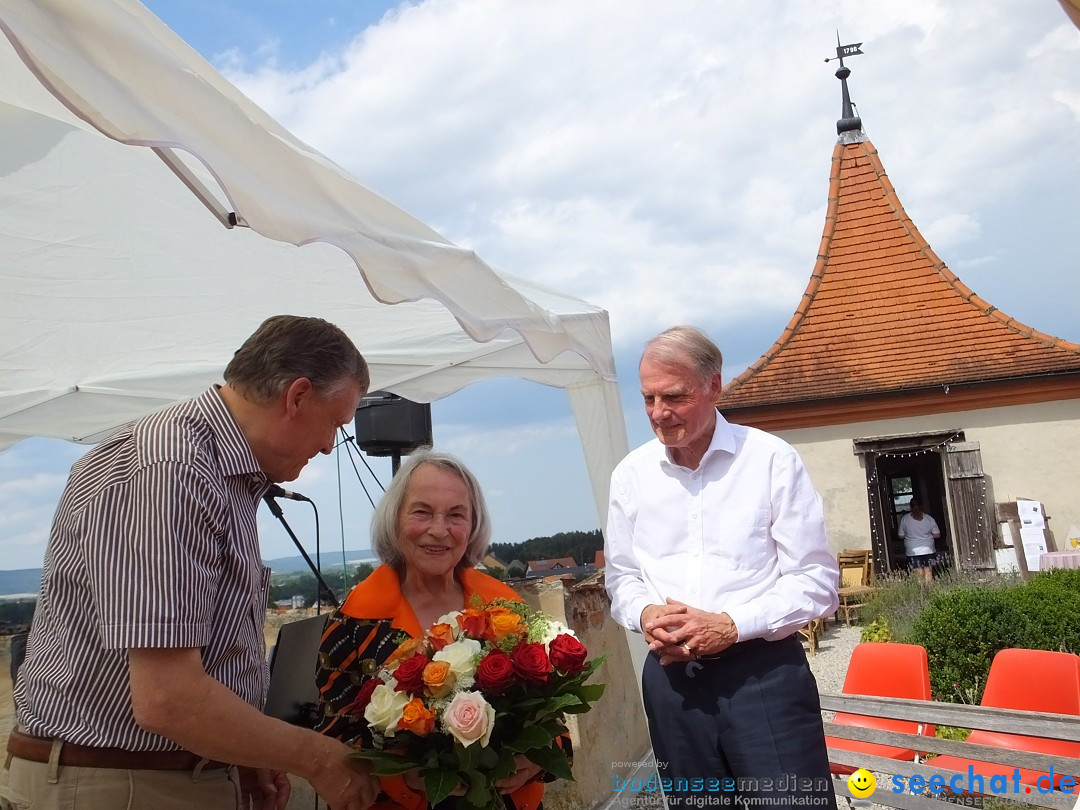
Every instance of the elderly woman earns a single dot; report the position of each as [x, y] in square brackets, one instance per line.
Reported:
[430, 530]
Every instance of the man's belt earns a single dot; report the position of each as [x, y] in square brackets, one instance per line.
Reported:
[38, 749]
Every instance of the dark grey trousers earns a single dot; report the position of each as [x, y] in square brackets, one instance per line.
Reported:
[744, 724]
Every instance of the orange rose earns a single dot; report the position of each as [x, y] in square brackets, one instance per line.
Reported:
[438, 679]
[507, 623]
[407, 649]
[416, 718]
[440, 635]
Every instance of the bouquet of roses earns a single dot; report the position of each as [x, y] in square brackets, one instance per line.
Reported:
[480, 687]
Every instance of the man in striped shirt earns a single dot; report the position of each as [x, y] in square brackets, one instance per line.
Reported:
[145, 672]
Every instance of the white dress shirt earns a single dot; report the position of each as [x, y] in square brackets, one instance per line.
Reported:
[744, 534]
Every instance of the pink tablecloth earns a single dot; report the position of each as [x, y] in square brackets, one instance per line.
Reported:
[1059, 559]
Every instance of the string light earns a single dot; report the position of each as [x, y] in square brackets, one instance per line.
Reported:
[872, 482]
[921, 451]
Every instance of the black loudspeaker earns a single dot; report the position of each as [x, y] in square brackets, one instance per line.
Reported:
[389, 425]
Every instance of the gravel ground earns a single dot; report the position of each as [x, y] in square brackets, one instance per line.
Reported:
[833, 654]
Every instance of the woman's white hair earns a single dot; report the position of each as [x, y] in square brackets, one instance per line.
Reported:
[384, 523]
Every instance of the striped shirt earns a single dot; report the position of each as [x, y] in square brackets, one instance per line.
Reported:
[154, 544]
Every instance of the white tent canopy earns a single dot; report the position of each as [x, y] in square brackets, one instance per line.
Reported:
[122, 293]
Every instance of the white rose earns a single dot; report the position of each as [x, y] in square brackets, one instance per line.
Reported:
[450, 619]
[461, 656]
[555, 628]
[384, 710]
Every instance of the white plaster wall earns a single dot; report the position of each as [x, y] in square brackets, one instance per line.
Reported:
[1028, 451]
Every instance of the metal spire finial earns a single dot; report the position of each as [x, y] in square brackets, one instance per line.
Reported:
[849, 122]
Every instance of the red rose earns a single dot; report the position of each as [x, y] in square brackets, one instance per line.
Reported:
[363, 697]
[567, 654]
[476, 624]
[410, 674]
[495, 674]
[531, 663]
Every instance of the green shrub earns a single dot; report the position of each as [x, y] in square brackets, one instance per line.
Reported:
[951, 733]
[900, 598]
[1051, 603]
[962, 630]
[897, 602]
[877, 630]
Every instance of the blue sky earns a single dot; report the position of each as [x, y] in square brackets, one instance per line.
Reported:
[668, 161]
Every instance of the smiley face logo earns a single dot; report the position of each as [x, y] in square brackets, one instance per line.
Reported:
[862, 783]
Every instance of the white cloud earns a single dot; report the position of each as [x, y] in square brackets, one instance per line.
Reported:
[19, 490]
[670, 161]
[648, 156]
[950, 230]
[467, 441]
[971, 264]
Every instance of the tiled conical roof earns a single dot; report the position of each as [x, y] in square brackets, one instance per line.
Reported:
[882, 314]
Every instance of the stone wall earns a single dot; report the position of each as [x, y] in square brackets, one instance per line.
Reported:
[610, 739]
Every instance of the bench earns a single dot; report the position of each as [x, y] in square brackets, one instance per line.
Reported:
[1035, 724]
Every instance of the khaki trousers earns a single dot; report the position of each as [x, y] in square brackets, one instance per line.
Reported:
[26, 785]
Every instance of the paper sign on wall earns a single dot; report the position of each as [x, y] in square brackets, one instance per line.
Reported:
[1034, 541]
[1031, 514]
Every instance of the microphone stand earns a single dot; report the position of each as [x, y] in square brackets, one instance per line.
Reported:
[324, 589]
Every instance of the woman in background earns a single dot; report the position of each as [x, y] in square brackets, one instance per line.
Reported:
[920, 533]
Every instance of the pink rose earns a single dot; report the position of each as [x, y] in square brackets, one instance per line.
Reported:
[469, 718]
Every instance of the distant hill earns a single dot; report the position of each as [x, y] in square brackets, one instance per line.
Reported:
[24, 580]
[27, 580]
[330, 559]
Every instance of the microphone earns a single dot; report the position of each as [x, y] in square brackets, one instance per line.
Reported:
[278, 492]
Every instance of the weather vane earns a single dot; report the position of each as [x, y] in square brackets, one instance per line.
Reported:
[849, 122]
[845, 50]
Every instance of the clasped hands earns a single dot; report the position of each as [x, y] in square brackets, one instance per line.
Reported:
[681, 633]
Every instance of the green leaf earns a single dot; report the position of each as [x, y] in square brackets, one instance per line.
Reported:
[529, 738]
[382, 763]
[584, 707]
[507, 765]
[596, 663]
[553, 760]
[467, 756]
[556, 705]
[590, 692]
[553, 727]
[479, 789]
[488, 758]
[438, 784]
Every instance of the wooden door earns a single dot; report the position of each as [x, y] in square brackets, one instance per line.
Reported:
[880, 528]
[971, 514]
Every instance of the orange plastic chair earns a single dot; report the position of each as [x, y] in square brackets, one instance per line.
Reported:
[1034, 681]
[884, 670]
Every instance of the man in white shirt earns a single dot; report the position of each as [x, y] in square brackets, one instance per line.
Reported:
[919, 531]
[715, 550]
